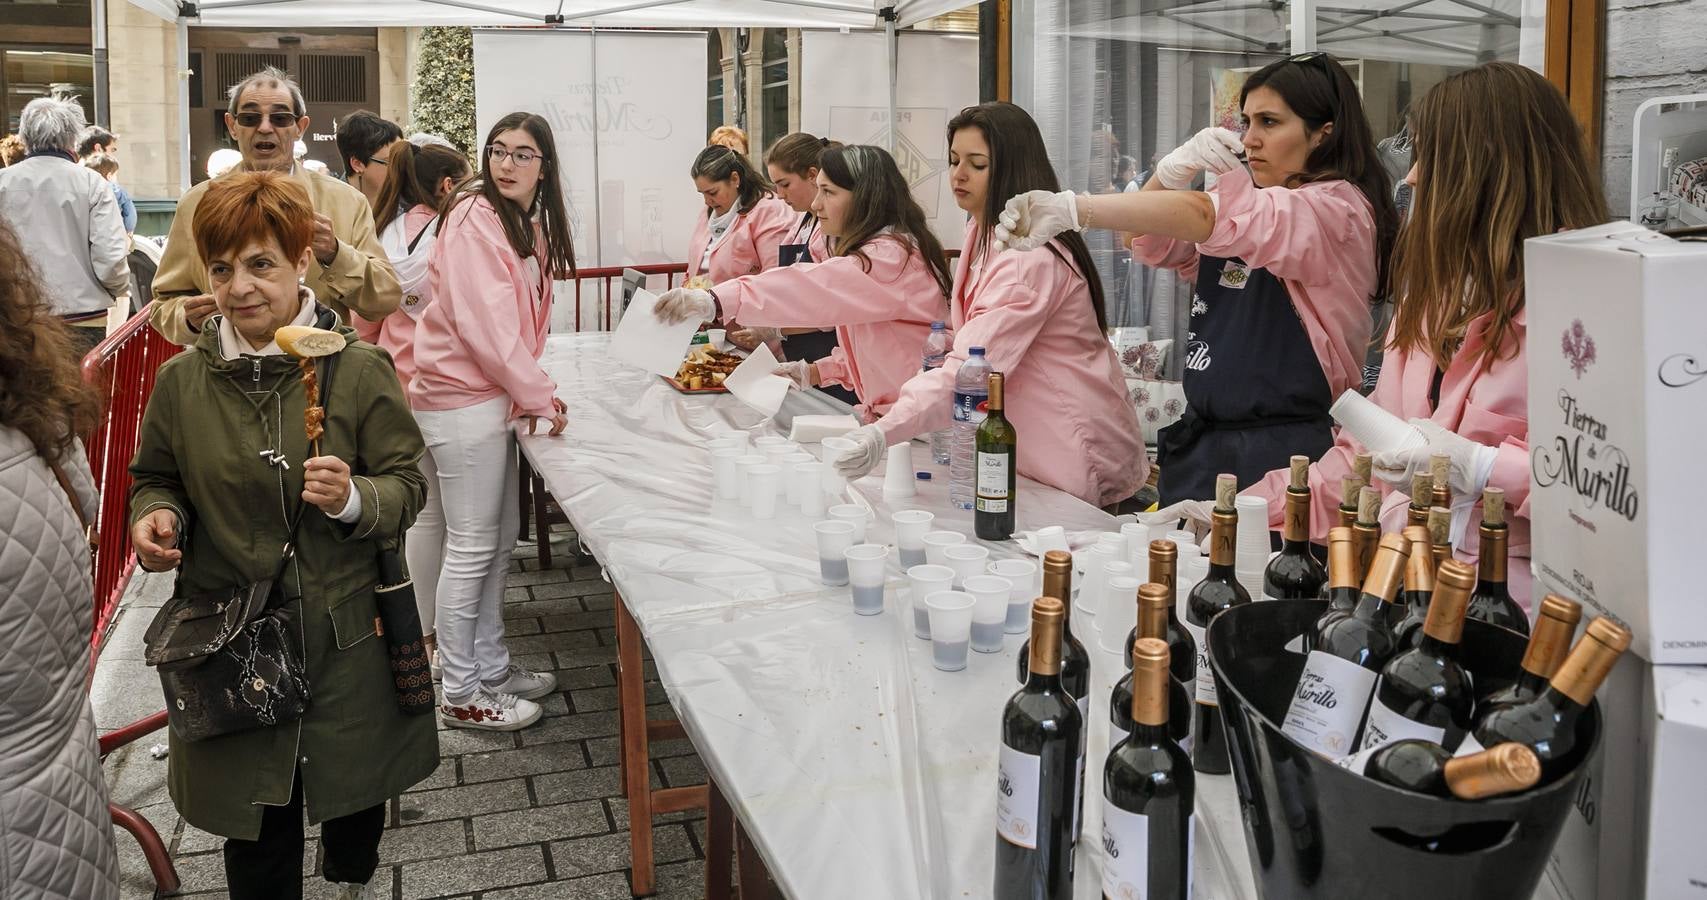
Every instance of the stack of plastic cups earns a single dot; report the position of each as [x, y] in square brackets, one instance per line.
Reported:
[763, 481]
[1186, 542]
[1191, 571]
[738, 439]
[1119, 611]
[911, 526]
[1094, 581]
[1252, 557]
[834, 483]
[1374, 427]
[764, 442]
[810, 479]
[1021, 575]
[728, 486]
[898, 474]
[794, 487]
[1137, 537]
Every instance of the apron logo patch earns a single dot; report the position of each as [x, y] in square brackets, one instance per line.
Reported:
[1197, 356]
[1199, 306]
[1234, 275]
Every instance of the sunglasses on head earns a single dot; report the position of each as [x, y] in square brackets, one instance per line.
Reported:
[278, 119]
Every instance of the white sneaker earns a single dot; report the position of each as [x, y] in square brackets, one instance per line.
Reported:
[489, 710]
[352, 891]
[525, 683]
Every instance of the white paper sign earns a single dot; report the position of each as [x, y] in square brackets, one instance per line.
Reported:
[646, 343]
[755, 381]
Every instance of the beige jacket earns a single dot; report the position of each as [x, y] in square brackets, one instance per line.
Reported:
[360, 277]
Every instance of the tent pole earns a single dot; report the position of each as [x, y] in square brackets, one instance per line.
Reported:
[891, 40]
[1303, 26]
[183, 104]
[103, 93]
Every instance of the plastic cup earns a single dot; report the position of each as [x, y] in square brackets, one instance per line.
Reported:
[922, 581]
[727, 486]
[1137, 537]
[1375, 428]
[743, 471]
[1052, 537]
[1190, 573]
[967, 560]
[717, 337]
[1119, 614]
[791, 481]
[763, 481]
[951, 628]
[765, 441]
[740, 438]
[834, 447]
[777, 454]
[809, 479]
[1094, 580]
[938, 541]
[853, 514]
[1253, 523]
[910, 528]
[1119, 568]
[898, 473]
[989, 611]
[866, 563]
[724, 442]
[1022, 589]
[834, 538]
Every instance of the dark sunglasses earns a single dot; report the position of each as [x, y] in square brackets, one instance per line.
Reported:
[1307, 57]
[278, 119]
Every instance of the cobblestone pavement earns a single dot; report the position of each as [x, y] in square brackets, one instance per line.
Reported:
[519, 816]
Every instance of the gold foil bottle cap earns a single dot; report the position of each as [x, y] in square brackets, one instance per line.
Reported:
[1047, 614]
[1163, 550]
[1455, 573]
[1613, 635]
[1226, 492]
[1154, 602]
[1388, 567]
[1300, 466]
[1341, 535]
[1415, 533]
[1493, 506]
[1550, 640]
[1503, 769]
[1451, 599]
[1422, 488]
[1556, 607]
[1368, 506]
[1150, 680]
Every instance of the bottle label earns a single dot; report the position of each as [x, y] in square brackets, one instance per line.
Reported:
[1328, 704]
[992, 482]
[1017, 774]
[1356, 762]
[1386, 726]
[970, 408]
[1468, 746]
[1206, 694]
[1126, 853]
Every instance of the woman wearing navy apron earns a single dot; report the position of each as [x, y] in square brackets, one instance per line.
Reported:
[792, 164]
[1286, 257]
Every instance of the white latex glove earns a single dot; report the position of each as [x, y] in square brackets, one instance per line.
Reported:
[1472, 463]
[1031, 219]
[869, 444]
[757, 334]
[680, 305]
[1196, 514]
[1210, 150]
[798, 371]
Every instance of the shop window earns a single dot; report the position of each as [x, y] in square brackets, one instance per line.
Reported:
[775, 87]
[713, 81]
[29, 74]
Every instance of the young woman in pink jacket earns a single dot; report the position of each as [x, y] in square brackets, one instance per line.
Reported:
[1286, 258]
[744, 223]
[885, 282]
[502, 242]
[1039, 316]
[417, 182]
[1499, 160]
[792, 164]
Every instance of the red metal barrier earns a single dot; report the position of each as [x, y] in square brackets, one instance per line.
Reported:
[122, 368]
[612, 275]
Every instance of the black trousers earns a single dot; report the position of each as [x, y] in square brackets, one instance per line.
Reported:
[270, 867]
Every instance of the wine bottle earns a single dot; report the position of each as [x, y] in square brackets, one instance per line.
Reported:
[1548, 723]
[1368, 528]
[1548, 643]
[993, 508]
[1350, 489]
[1037, 777]
[1440, 533]
[1155, 602]
[1428, 768]
[1422, 487]
[1219, 590]
[1075, 661]
[1339, 674]
[1424, 692]
[1343, 582]
[1295, 574]
[1492, 603]
[1182, 650]
[1148, 792]
[1419, 586]
[1440, 480]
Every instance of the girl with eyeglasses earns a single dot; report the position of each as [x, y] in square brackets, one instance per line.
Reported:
[883, 284]
[1286, 255]
[502, 241]
[1499, 159]
[1039, 316]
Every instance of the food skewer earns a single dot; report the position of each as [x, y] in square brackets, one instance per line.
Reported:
[308, 344]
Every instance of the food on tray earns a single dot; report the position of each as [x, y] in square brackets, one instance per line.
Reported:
[705, 368]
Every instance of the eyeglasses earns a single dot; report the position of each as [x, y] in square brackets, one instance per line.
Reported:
[522, 158]
[278, 119]
[376, 161]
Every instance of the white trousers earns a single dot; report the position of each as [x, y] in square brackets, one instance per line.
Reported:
[474, 451]
[424, 546]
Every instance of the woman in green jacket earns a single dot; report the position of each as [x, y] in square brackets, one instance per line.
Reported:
[222, 467]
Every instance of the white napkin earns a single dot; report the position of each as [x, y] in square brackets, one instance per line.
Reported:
[812, 429]
[644, 342]
[755, 381]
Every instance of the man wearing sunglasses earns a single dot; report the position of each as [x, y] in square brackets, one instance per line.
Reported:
[349, 271]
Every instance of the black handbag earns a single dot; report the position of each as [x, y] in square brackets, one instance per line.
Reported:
[400, 625]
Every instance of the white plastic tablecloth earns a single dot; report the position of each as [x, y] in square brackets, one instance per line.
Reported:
[858, 769]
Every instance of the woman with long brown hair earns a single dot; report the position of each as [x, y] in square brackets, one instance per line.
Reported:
[792, 164]
[883, 285]
[1499, 160]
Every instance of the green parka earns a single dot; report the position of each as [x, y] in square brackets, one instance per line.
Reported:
[204, 453]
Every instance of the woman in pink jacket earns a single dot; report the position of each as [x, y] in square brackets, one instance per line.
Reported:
[1039, 316]
[417, 182]
[885, 281]
[1455, 364]
[1286, 258]
[743, 226]
[502, 242]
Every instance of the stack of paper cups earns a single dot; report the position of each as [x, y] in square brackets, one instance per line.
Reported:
[1375, 428]
[1252, 557]
[1119, 614]
[898, 476]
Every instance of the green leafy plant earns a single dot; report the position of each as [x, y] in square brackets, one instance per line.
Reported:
[441, 100]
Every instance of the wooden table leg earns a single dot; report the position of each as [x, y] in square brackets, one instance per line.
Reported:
[631, 714]
[719, 845]
[755, 878]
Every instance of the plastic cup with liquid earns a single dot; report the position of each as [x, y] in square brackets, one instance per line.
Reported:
[866, 567]
[911, 525]
[938, 541]
[951, 628]
[989, 611]
[1021, 575]
[922, 581]
[834, 539]
[853, 514]
[966, 560]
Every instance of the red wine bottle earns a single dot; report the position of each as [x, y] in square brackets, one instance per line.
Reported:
[1155, 603]
[1419, 586]
[1555, 623]
[1428, 768]
[1492, 603]
[1424, 692]
[1295, 574]
[1038, 772]
[1343, 582]
[1148, 791]
[1218, 591]
[1182, 650]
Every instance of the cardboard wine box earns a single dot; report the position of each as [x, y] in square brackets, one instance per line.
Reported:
[1677, 867]
[1617, 354]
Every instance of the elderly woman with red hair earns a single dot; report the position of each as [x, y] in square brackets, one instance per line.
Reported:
[223, 475]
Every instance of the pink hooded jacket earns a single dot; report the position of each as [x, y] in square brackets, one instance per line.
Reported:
[882, 317]
[1489, 407]
[396, 332]
[1031, 312]
[483, 335]
[749, 246]
[1318, 239]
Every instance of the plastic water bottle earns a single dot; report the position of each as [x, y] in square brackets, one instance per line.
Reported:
[971, 396]
[936, 350]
